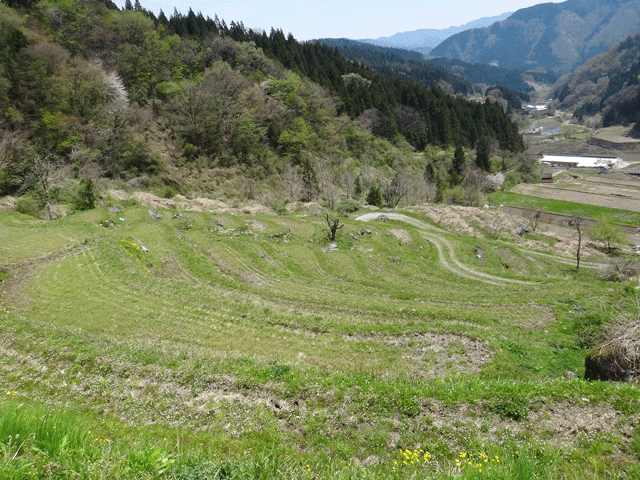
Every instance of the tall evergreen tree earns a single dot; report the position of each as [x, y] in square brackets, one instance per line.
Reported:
[457, 166]
[192, 24]
[374, 197]
[458, 160]
[482, 154]
[358, 187]
[162, 19]
[128, 5]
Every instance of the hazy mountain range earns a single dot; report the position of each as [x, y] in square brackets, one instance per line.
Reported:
[425, 39]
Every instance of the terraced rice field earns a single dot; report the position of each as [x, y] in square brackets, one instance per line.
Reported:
[614, 196]
[240, 333]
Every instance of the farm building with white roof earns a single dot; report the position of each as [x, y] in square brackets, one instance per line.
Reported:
[535, 108]
[578, 161]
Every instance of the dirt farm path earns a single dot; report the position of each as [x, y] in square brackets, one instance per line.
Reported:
[445, 249]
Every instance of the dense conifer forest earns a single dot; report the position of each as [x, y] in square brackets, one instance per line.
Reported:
[460, 76]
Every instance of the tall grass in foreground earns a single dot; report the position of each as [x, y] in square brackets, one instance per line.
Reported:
[36, 442]
[523, 462]
[49, 433]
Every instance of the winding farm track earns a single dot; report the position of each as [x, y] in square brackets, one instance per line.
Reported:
[445, 249]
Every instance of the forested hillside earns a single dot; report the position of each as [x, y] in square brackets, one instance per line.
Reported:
[434, 70]
[102, 93]
[396, 63]
[608, 84]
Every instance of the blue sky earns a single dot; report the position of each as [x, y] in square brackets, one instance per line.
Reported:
[308, 19]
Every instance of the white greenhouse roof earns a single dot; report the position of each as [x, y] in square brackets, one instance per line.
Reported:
[581, 162]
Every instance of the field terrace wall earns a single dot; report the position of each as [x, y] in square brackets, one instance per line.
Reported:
[599, 142]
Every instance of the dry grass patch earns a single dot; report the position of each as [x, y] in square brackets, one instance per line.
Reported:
[7, 204]
[565, 424]
[431, 355]
[401, 234]
[617, 358]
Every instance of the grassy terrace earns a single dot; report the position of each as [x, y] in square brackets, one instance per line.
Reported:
[243, 347]
[623, 217]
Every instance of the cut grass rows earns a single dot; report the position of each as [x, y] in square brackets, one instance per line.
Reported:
[336, 359]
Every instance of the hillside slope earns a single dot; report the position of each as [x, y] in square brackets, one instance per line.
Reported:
[398, 63]
[555, 36]
[121, 95]
[608, 84]
[434, 70]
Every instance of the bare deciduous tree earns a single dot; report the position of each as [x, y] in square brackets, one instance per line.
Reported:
[292, 182]
[368, 175]
[494, 226]
[322, 167]
[418, 190]
[334, 226]
[534, 220]
[396, 190]
[348, 181]
[331, 194]
[43, 169]
[475, 183]
[249, 185]
[10, 144]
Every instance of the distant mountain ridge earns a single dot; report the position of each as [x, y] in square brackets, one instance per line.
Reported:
[430, 70]
[425, 39]
[554, 36]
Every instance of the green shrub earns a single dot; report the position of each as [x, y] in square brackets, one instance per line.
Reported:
[453, 196]
[189, 152]
[85, 199]
[374, 197]
[169, 192]
[348, 206]
[28, 206]
[510, 181]
[510, 409]
[280, 208]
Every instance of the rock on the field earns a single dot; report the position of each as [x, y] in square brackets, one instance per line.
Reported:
[154, 215]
